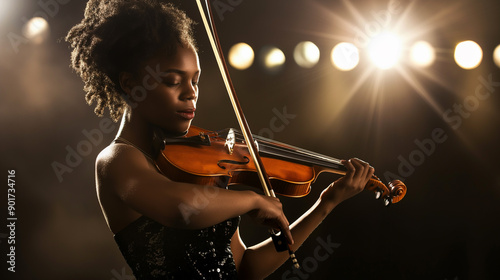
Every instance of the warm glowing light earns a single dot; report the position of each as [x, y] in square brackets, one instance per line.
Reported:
[422, 54]
[306, 54]
[385, 50]
[36, 30]
[345, 56]
[274, 58]
[468, 54]
[241, 56]
[496, 55]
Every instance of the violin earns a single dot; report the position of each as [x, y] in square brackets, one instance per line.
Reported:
[208, 158]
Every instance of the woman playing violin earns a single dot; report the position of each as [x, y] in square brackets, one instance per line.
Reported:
[139, 60]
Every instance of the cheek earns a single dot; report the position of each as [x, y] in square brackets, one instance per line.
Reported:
[151, 99]
[164, 101]
[157, 104]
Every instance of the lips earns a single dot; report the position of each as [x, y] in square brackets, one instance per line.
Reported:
[187, 114]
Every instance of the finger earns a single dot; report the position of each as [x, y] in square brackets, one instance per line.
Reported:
[367, 169]
[360, 167]
[367, 176]
[350, 168]
[370, 172]
[285, 228]
[288, 234]
[359, 162]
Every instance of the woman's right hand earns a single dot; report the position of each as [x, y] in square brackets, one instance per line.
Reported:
[269, 212]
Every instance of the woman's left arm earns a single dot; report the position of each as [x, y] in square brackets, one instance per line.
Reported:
[259, 261]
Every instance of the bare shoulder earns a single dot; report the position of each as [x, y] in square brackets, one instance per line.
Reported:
[118, 166]
[117, 160]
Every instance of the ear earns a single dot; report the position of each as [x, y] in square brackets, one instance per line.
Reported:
[127, 82]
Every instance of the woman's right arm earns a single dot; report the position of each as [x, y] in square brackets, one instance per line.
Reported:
[175, 204]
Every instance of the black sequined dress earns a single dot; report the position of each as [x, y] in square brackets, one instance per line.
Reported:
[154, 251]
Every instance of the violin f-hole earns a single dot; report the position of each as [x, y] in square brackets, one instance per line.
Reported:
[222, 161]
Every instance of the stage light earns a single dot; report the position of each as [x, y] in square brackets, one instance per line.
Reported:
[345, 56]
[496, 55]
[468, 54]
[385, 50]
[306, 54]
[422, 54]
[36, 30]
[274, 58]
[241, 56]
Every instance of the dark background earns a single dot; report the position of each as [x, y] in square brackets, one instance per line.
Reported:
[447, 226]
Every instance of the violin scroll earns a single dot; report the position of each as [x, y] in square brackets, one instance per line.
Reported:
[392, 194]
[397, 190]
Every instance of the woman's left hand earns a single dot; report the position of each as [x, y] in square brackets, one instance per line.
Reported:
[352, 183]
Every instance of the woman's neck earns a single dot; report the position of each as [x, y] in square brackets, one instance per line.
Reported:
[137, 131]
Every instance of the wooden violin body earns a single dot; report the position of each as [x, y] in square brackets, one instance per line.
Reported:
[219, 158]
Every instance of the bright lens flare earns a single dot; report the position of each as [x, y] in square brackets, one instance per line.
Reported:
[36, 30]
[496, 55]
[241, 56]
[274, 58]
[306, 54]
[422, 54]
[385, 50]
[345, 56]
[468, 55]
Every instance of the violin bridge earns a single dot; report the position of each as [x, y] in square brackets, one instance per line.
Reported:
[230, 141]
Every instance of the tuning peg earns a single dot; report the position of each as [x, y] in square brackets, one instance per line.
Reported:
[378, 194]
[387, 200]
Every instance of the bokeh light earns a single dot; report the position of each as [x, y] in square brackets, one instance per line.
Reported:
[422, 54]
[384, 50]
[306, 54]
[468, 55]
[345, 56]
[273, 58]
[241, 56]
[36, 30]
[496, 56]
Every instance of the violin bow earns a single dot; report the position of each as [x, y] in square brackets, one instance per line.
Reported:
[279, 240]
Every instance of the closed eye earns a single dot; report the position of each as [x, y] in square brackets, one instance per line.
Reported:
[171, 84]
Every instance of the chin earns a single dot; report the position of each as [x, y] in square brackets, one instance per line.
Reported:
[176, 131]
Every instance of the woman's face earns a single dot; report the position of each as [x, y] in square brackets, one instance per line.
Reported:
[165, 91]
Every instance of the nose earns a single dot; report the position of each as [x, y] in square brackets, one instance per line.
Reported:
[190, 92]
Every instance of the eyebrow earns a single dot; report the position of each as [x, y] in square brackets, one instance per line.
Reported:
[180, 72]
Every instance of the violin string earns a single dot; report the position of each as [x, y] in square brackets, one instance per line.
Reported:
[285, 148]
[298, 158]
[306, 153]
[300, 152]
[293, 155]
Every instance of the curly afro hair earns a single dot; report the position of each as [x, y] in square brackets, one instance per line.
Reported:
[116, 36]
